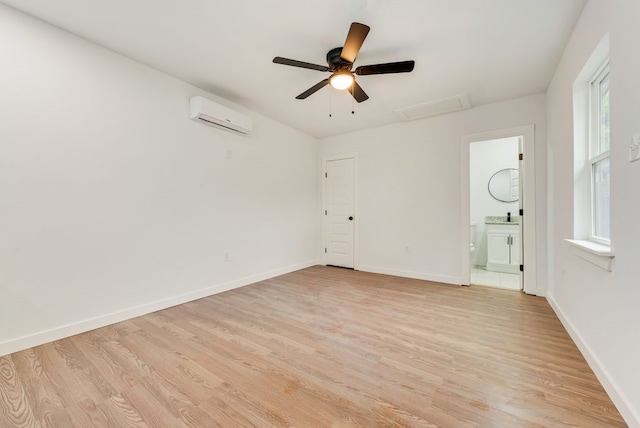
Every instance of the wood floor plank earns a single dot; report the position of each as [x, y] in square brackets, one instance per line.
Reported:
[71, 379]
[87, 414]
[320, 347]
[97, 349]
[37, 386]
[122, 413]
[15, 408]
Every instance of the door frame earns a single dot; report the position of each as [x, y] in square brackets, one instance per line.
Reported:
[356, 210]
[528, 222]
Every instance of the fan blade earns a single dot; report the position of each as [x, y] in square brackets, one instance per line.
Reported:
[391, 67]
[313, 89]
[358, 93]
[301, 64]
[357, 33]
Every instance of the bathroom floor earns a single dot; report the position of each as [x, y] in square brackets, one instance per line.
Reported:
[480, 276]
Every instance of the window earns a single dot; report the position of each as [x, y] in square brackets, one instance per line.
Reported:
[599, 155]
[591, 204]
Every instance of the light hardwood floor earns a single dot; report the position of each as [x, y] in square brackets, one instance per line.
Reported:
[321, 347]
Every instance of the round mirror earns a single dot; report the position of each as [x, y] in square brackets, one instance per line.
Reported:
[504, 185]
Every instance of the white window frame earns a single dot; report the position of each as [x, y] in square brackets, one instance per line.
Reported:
[584, 244]
[595, 153]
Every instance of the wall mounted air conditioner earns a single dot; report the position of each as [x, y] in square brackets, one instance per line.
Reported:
[213, 114]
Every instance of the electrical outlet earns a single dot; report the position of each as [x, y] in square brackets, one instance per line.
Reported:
[406, 249]
[227, 256]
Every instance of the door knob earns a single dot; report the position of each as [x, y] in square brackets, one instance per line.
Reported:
[350, 218]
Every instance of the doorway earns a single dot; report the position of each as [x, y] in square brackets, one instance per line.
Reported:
[494, 183]
[339, 211]
[527, 224]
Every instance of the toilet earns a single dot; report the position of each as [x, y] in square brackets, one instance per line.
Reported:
[472, 237]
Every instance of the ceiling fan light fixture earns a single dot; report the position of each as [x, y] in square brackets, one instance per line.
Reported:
[339, 63]
[341, 80]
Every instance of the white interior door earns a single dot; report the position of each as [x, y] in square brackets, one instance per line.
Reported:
[339, 212]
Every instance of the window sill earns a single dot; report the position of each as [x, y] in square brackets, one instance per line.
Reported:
[597, 254]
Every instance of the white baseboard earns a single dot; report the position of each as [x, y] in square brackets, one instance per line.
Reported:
[60, 332]
[410, 274]
[624, 406]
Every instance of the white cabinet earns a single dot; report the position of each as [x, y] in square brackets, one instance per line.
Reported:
[503, 248]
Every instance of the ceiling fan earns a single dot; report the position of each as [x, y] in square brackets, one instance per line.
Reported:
[340, 61]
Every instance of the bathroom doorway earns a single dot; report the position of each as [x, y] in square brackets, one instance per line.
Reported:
[513, 226]
[494, 191]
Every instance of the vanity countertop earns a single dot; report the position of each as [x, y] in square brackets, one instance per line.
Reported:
[492, 219]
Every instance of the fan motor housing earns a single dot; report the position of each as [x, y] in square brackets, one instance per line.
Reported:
[335, 62]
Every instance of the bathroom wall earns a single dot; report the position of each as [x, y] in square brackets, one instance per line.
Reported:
[485, 159]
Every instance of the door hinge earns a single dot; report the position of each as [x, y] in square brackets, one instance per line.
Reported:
[325, 212]
[325, 251]
[521, 268]
[521, 211]
[325, 175]
[520, 156]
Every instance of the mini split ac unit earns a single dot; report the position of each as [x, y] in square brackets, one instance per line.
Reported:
[213, 114]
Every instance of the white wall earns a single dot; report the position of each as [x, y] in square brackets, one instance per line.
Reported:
[410, 187]
[114, 204]
[485, 159]
[600, 308]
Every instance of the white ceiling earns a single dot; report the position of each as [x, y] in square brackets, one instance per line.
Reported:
[492, 50]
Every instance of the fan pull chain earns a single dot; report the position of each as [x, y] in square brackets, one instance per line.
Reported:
[353, 106]
[330, 98]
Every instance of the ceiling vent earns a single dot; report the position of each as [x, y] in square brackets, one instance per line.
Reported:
[434, 108]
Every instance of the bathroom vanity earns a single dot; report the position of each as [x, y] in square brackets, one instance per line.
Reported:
[503, 244]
